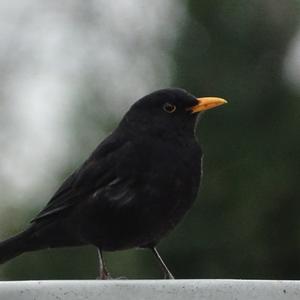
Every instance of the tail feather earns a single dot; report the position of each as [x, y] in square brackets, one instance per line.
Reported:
[14, 246]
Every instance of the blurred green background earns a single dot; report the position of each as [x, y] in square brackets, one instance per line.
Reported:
[68, 80]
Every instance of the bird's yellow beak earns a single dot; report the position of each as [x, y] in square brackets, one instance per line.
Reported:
[206, 103]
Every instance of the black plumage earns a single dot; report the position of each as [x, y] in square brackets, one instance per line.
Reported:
[133, 189]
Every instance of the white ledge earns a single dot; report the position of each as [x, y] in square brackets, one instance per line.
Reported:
[151, 289]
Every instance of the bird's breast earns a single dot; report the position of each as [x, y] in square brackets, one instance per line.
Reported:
[168, 187]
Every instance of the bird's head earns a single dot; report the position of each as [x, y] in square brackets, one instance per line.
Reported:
[168, 111]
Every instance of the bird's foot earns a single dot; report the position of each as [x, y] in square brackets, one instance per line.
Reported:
[104, 276]
[169, 276]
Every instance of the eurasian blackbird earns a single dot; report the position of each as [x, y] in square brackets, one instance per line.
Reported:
[133, 189]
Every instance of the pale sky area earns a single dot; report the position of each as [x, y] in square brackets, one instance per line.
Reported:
[48, 50]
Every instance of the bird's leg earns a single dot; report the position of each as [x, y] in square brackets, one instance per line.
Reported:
[167, 273]
[103, 273]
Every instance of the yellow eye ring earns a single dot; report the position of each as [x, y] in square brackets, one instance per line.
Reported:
[169, 108]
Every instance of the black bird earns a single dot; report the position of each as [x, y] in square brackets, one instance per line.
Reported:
[133, 189]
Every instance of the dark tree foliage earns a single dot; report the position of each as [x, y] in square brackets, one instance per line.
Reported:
[246, 223]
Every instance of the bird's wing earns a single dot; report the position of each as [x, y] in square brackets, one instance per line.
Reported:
[97, 172]
[61, 199]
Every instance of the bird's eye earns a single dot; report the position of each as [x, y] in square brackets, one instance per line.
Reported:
[169, 108]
